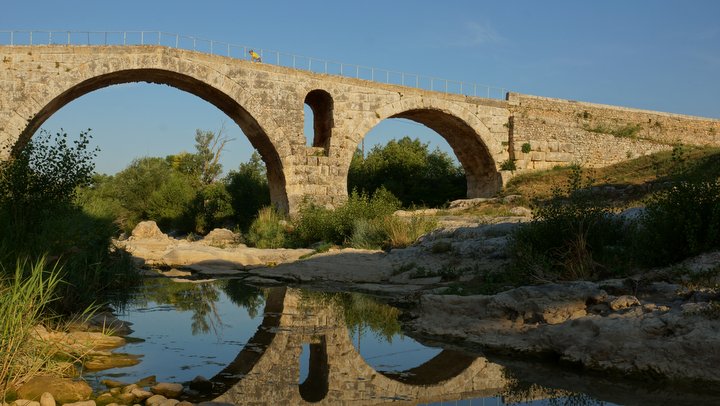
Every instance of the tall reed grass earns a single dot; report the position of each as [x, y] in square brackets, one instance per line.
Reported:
[23, 297]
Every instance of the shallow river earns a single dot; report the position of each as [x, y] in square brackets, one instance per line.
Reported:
[289, 346]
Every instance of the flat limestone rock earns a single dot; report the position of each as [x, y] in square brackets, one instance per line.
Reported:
[63, 390]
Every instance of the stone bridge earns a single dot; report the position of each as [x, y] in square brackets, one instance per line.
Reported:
[267, 103]
[267, 370]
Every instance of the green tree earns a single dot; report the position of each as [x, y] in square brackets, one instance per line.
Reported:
[412, 173]
[248, 189]
[213, 207]
[171, 204]
[41, 179]
[209, 146]
[135, 185]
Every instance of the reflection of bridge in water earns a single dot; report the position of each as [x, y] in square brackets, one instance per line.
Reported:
[267, 370]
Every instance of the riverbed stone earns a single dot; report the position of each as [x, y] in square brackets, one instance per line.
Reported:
[147, 381]
[623, 302]
[167, 389]
[201, 384]
[155, 400]
[220, 236]
[62, 389]
[111, 383]
[147, 230]
[47, 399]
[141, 394]
[81, 403]
[103, 322]
[25, 402]
[98, 361]
[106, 399]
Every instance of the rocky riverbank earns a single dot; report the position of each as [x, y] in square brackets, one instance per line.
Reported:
[663, 324]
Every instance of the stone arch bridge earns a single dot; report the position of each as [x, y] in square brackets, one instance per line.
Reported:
[267, 102]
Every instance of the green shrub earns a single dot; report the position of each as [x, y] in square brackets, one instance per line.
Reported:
[268, 230]
[314, 223]
[368, 234]
[680, 222]
[212, 208]
[526, 148]
[571, 237]
[402, 232]
[171, 204]
[39, 218]
[625, 131]
[248, 189]
[508, 165]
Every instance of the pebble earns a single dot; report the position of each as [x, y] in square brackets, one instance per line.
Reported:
[155, 400]
[47, 399]
[24, 402]
[82, 403]
[169, 390]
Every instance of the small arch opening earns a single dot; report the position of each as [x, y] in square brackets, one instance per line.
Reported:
[314, 371]
[319, 118]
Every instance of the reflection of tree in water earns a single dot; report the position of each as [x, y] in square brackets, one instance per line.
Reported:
[201, 300]
[251, 298]
[198, 298]
[361, 312]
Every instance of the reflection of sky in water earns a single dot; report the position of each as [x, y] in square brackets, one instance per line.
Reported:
[172, 352]
[400, 355]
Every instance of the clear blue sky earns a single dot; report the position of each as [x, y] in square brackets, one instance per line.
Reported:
[651, 54]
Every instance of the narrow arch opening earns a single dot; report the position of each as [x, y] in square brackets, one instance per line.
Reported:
[319, 118]
[314, 371]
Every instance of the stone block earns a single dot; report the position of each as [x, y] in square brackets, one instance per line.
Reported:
[537, 156]
[559, 157]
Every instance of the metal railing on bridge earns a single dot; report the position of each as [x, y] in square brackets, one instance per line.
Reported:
[316, 65]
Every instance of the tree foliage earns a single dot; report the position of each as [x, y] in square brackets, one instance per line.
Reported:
[40, 221]
[181, 192]
[410, 171]
[248, 189]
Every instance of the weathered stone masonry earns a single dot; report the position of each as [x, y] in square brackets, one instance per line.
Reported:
[267, 103]
[563, 131]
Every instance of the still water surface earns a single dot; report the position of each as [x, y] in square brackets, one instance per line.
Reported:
[284, 346]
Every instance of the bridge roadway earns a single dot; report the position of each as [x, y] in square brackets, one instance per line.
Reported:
[267, 370]
[267, 103]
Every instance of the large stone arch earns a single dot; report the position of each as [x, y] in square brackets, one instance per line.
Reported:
[473, 143]
[215, 87]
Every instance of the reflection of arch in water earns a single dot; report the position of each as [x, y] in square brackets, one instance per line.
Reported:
[268, 368]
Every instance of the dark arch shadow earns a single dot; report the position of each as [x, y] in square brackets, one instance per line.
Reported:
[321, 103]
[248, 124]
[444, 366]
[483, 179]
